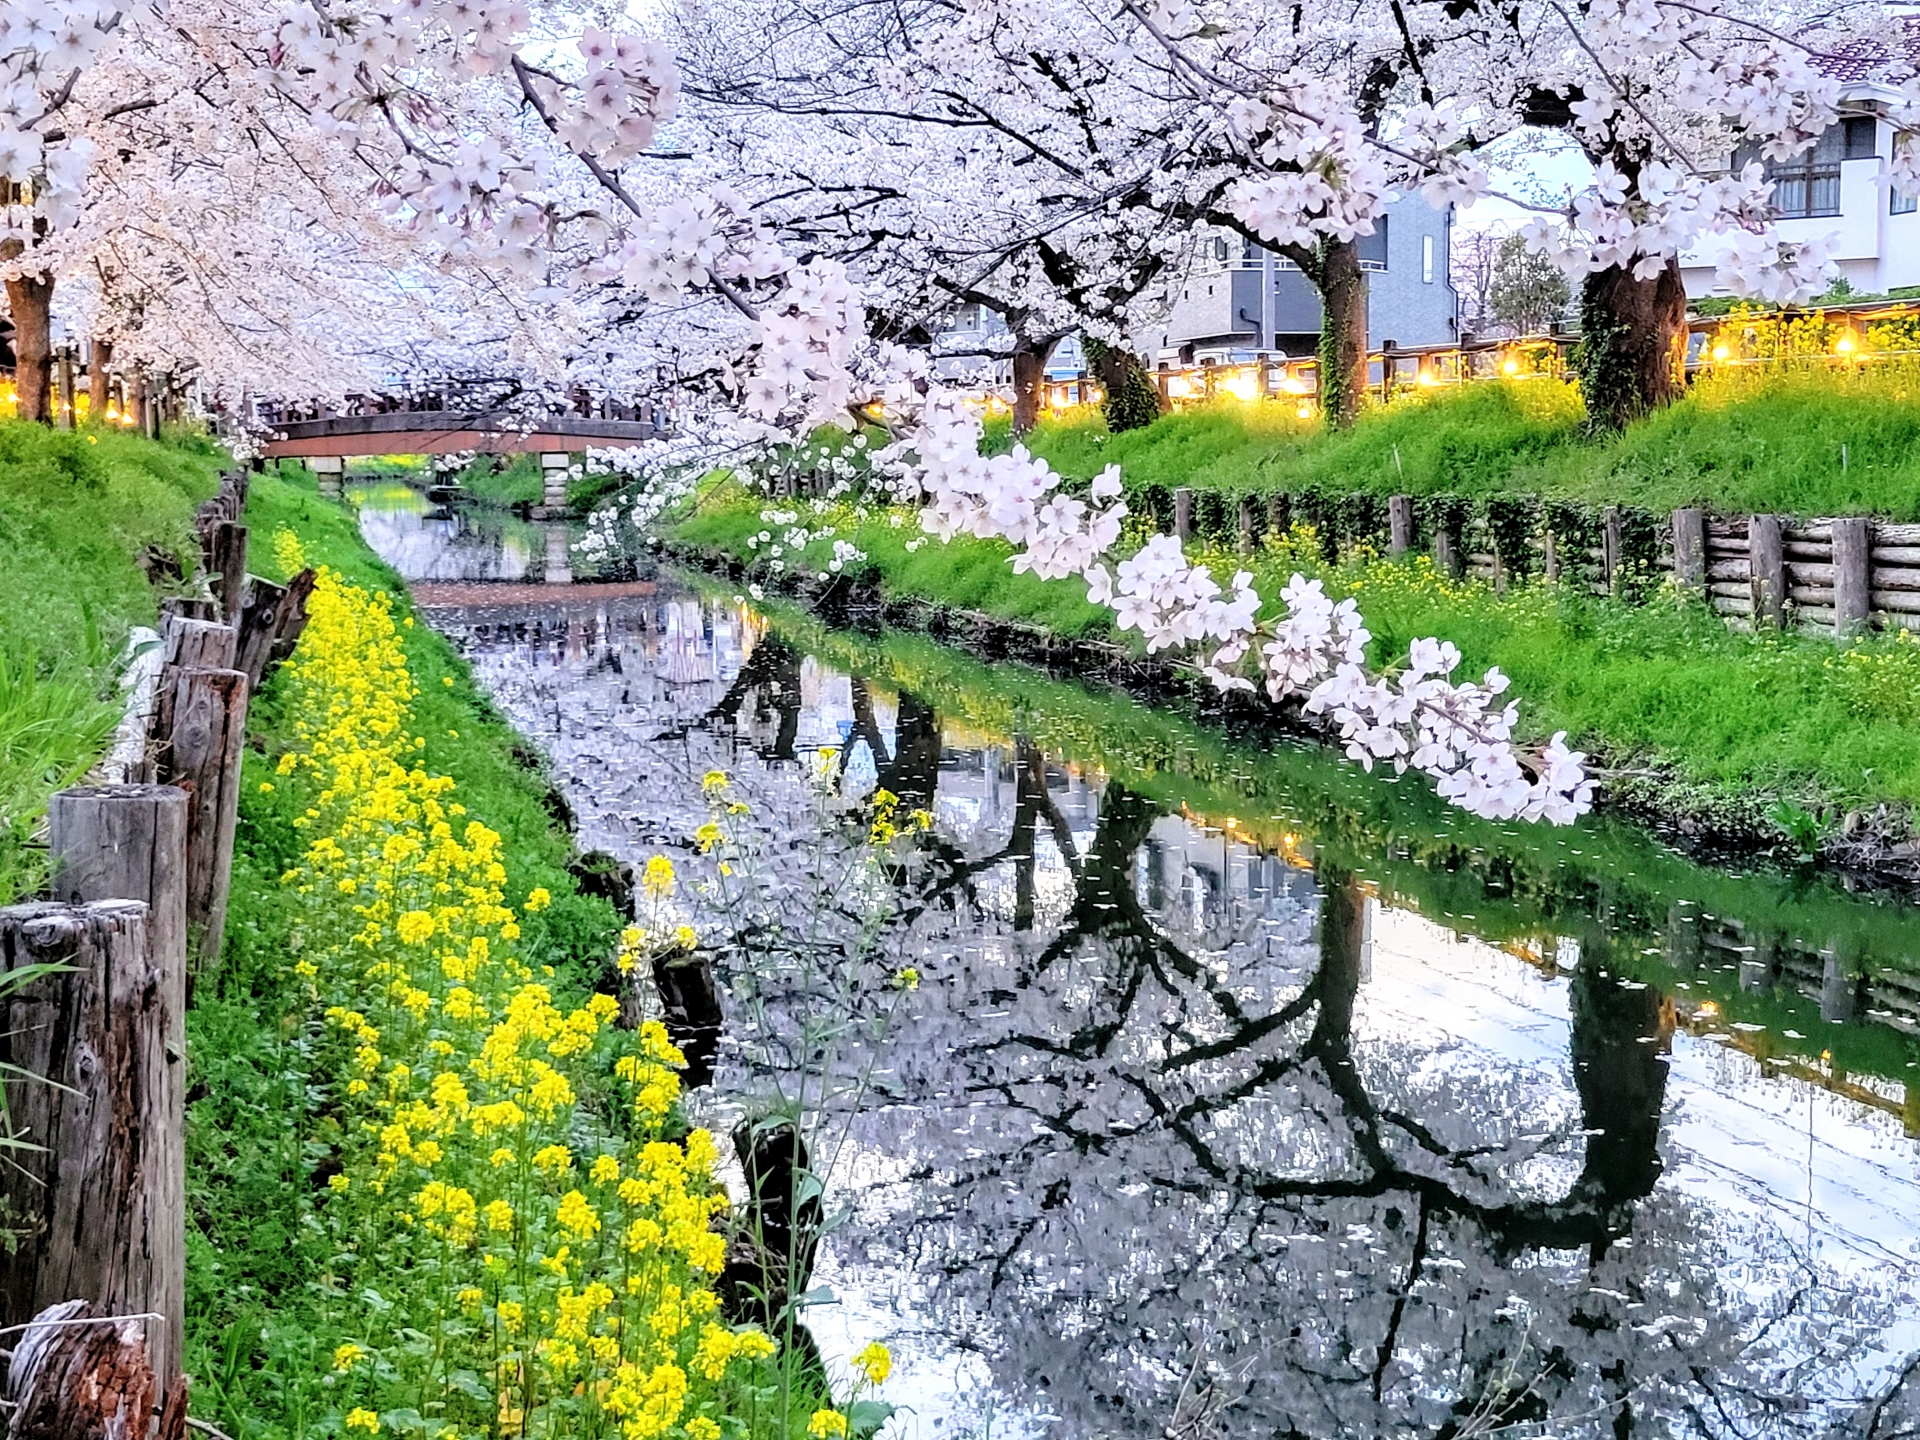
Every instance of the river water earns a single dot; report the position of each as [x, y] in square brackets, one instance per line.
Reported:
[1241, 1094]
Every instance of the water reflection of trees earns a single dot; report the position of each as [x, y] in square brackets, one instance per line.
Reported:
[1126, 1136]
[1137, 1150]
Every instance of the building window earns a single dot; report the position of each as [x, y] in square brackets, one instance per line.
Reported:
[1373, 248]
[1898, 204]
[1426, 259]
[1220, 250]
[1809, 183]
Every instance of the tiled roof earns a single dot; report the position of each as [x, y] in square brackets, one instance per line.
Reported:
[1855, 60]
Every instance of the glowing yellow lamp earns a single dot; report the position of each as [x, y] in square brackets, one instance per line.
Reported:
[1305, 412]
[1178, 387]
[1844, 345]
[1510, 366]
[1719, 352]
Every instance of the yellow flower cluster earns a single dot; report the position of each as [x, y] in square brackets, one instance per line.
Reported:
[525, 1239]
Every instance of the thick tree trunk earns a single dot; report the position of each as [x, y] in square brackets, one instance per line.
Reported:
[1343, 331]
[1632, 338]
[30, 300]
[99, 382]
[1133, 399]
[1029, 383]
[1030, 386]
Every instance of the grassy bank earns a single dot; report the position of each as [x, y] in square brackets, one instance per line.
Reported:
[1725, 724]
[78, 512]
[262, 1300]
[1811, 442]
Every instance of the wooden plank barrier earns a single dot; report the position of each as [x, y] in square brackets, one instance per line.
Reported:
[1842, 577]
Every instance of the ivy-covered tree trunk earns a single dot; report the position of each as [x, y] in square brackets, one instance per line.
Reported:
[1029, 382]
[1333, 267]
[1133, 399]
[1633, 336]
[30, 300]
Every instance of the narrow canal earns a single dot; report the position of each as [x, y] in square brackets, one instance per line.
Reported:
[1241, 1093]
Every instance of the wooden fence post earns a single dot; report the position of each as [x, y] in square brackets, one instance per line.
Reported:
[227, 565]
[1690, 548]
[129, 842]
[1447, 553]
[1612, 542]
[1183, 514]
[271, 619]
[1399, 525]
[1852, 575]
[207, 724]
[1767, 560]
[1246, 524]
[95, 1198]
[200, 645]
[1550, 555]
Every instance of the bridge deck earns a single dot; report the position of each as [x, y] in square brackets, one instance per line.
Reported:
[441, 432]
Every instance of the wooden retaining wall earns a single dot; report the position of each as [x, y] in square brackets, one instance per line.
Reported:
[1840, 577]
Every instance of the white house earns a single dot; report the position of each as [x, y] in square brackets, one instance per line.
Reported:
[1839, 187]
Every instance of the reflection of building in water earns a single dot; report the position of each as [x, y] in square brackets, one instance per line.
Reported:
[686, 649]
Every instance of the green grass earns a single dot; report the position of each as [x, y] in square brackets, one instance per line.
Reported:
[1805, 442]
[254, 1257]
[489, 482]
[77, 511]
[1731, 721]
[974, 575]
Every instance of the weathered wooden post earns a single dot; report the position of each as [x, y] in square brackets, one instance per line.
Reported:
[96, 1203]
[1447, 553]
[1550, 554]
[1690, 548]
[1612, 541]
[200, 644]
[1768, 564]
[1247, 522]
[206, 715]
[226, 548]
[1852, 575]
[1183, 514]
[1399, 525]
[129, 842]
[271, 619]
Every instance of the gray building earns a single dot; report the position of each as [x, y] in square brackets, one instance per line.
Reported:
[1237, 299]
[970, 342]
